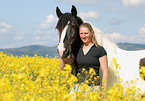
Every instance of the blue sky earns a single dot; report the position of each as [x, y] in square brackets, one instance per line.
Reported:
[31, 22]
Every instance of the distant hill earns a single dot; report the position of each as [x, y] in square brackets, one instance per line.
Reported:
[130, 46]
[31, 50]
[41, 50]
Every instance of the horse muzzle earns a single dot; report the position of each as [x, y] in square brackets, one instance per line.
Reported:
[63, 52]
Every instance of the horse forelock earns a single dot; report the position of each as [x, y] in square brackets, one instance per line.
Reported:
[63, 20]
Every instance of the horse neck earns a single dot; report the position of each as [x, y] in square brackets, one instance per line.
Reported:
[109, 46]
[76, 45]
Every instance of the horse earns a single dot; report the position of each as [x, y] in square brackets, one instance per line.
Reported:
[69, 40]
[127, 72]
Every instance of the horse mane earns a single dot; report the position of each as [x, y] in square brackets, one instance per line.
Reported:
[109, 46]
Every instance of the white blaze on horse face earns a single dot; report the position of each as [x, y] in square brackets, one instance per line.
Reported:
[61, 47]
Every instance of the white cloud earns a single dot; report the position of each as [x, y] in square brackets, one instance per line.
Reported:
[44, 38]
[89, 15]
[9, 46]
[50, 21]
[139, 38]
[112, 5]
[37, 32]
[37, 38]
[50, 18]
[133, 2]
[44, 34]
[18, 37]
[142, 30]
[44, 26]
[112, 9]
[117, 38]
[82, 1]
[4, 27]
[3, 30]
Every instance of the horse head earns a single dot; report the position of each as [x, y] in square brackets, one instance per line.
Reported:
[68, 27]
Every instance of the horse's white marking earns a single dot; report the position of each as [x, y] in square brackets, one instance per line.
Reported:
[61, 47]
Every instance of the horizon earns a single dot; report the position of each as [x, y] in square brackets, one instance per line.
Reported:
[56, 45]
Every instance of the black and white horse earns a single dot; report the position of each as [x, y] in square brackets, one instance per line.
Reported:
[68, 27]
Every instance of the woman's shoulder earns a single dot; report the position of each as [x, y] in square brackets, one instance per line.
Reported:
[98, 46]
[101, 47]
[100, 50]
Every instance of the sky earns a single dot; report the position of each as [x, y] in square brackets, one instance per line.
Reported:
[33, 22]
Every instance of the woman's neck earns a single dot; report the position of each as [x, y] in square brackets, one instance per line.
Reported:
[88, 44]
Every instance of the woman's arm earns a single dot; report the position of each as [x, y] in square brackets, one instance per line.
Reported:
[104, 67]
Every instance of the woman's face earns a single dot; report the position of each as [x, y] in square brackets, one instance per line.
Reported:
[85, 35]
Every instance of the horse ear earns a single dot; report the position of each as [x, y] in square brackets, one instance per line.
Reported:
[74, 11]
[58, 12]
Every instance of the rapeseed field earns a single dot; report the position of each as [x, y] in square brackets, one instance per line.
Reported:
[24, 78]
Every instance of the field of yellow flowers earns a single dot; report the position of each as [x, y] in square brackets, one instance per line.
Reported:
[142, 72]
[24, 78]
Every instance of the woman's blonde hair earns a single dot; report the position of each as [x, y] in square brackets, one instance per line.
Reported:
[92, 31]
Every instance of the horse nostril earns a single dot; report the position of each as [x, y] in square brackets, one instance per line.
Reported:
[63, 52]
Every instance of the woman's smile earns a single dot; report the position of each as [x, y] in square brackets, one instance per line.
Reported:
[85, 35]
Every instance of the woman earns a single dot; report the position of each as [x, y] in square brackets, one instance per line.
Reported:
[91, 55]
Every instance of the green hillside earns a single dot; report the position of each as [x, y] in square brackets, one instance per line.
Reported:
[130, 46]
[31, 50]
[41, 50]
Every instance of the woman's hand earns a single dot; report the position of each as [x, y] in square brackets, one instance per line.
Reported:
[104, 67]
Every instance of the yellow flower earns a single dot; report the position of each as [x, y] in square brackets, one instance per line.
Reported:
[142, 72]
[92, 71]
[20, 75]
[120, 79]
[67, 68]
[84, 70]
